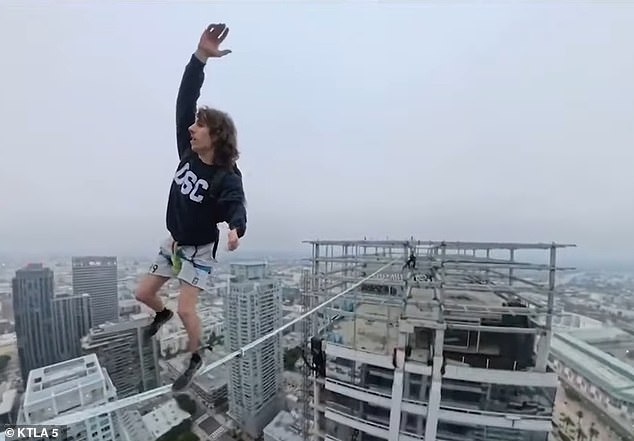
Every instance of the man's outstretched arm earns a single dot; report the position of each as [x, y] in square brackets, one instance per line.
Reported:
[192, 81]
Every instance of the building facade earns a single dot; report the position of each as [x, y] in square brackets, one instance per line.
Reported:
[72, 323]
[253, 308]
[97, 276]
[131, 364]
[33, 292]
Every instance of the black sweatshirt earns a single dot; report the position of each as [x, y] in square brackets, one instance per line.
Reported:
[192, 215]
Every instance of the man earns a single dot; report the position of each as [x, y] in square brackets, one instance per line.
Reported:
[206, 189]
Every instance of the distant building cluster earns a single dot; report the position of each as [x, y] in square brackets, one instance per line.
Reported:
[81, 347]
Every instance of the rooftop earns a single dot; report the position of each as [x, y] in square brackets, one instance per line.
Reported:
[79, 261]
[284, 427]
[133, 424]
[248, 263]
[136, 321]
[164, 418]
[599, 336]
[50, 380]
[457, 305]
[602, 369]
[209, 381]
[375, 327]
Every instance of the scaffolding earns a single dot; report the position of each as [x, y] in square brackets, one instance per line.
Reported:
[396, 300]
[428, 293]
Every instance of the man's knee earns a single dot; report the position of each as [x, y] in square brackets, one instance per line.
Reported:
[143, 293]
[148, 288]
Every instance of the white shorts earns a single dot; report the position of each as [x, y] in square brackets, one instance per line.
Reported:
[196, 263]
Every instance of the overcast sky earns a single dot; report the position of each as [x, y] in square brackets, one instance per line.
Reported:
[371, 119]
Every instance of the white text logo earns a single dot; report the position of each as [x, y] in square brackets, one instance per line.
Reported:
[190, 184]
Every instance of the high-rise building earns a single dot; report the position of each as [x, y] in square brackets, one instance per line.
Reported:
[72, 323]
[253, 308]
[66, 387]
[131, 363]
[445, 341]
[34, 318]
[97, 276]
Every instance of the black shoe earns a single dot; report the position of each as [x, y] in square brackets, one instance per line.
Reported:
[159, 320]
[182, 382]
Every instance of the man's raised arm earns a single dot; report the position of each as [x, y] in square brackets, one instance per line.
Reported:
[192, 81]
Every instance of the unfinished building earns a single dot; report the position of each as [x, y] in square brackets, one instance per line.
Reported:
[445, 341]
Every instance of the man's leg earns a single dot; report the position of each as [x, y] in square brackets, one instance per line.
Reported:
[194, 275]
[147, 290]
[187, 301]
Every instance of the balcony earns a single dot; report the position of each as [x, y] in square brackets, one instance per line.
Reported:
[374, 429]
[498, 376]
[455, 414]
[482, 375]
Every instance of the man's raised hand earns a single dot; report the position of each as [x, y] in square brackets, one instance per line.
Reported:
[211, 39]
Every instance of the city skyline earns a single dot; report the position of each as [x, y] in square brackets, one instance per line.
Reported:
[575, 257]
[596, 326]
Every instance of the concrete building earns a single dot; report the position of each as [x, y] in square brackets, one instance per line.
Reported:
[34, 318]
[441, 349]
[284, 427]
[210, 387]
[6, 307]
[253, 308]
[67, 387]
[153, 425]
[97, 276]
[133, 427]
[605, 381]
[163, 418]
[571, 320]
[128, 308]
[8, 403]
[131, 364]
[72, 323]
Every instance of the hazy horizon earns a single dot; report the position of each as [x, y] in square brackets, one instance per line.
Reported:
[568, 258]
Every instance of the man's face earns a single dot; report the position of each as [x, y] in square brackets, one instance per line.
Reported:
[201, 141]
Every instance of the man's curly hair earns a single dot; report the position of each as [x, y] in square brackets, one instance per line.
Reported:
[222, 128]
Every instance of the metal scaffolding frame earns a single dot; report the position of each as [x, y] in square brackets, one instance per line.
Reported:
[442, 268]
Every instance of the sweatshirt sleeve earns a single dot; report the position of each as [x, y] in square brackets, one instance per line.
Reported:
[232, 202]
[188, 94]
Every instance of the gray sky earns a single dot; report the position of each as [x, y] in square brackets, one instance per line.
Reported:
[443, 122]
